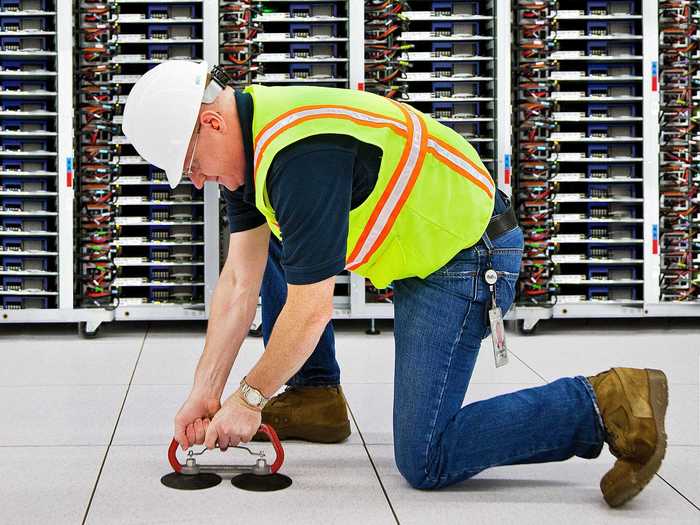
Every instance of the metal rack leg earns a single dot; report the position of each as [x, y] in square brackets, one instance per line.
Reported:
[88, 329]
[372, 330]
[527, 326]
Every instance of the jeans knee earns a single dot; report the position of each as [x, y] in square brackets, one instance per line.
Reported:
[415, 472]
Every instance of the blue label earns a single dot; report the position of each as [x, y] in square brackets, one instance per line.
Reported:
[69, 163]
[506, 160]
[654, 66]
[655, 232]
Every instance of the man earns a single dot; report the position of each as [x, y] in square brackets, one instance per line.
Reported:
[352, 180]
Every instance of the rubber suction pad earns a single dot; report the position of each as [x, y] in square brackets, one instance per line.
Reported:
[175, 480]
[256, 483]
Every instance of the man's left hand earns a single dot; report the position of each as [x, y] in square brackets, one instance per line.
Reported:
[234, 423]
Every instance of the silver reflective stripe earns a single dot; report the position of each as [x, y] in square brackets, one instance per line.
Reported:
[326, 112]
[462, 164]
[396, 192]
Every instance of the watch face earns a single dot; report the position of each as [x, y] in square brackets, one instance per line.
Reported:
[253, 397]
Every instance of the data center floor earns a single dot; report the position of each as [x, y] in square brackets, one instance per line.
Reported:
[86, 425]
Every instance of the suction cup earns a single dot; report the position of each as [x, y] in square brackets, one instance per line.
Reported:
[174, 480]
[257, 483]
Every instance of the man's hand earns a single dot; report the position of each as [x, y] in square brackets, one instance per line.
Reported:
[194, 417]
[235, 423]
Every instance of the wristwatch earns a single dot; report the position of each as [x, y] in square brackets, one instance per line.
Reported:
[252, 396]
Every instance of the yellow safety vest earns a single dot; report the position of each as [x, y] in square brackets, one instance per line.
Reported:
[433, 195]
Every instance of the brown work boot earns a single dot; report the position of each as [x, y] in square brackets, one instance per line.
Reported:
[311, 413]
[632, 403]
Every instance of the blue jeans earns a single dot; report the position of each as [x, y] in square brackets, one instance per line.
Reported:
[439, 324]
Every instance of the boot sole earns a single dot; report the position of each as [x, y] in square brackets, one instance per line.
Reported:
[619, 494]
[311, 433]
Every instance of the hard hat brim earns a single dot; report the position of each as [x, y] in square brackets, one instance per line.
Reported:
[161, 113]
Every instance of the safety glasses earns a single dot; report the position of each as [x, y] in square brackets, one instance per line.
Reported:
[188, 172]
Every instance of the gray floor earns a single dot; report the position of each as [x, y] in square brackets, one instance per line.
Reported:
[86, 424]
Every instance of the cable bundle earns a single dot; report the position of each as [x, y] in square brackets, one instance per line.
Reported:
[96, 154]
[238, 31]
[679, 61]
[384, 66]
[534, 165]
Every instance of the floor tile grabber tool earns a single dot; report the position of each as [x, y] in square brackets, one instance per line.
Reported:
[260, 476]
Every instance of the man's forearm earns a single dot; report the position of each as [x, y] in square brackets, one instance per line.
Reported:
[232, 311]
[294, 337]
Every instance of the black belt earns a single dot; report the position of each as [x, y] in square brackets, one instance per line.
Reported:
[501, 223]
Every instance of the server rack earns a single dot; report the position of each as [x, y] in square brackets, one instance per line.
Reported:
[562, 171]
[440, 57]
[586, 163]
[36, 173]
[149, 257]
[28, 186]
[282, 43]
[679, 162]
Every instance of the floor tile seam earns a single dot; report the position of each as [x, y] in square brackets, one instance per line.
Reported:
[671, 383]
[374, 467]
[114, 430]
[691, 502]
[543, 378]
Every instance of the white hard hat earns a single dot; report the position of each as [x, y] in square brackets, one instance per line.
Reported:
[161, 113]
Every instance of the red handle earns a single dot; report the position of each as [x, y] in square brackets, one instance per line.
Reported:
[172, 456]
[279, 451]
[265, 429]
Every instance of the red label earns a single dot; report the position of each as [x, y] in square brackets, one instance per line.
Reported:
[361, 86]
[507, 177]
[655, 247]
[69, 179]
[654, 83]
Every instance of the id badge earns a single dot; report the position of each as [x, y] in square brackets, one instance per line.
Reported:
[498, 337]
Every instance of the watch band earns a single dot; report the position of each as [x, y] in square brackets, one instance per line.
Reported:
[246, 390]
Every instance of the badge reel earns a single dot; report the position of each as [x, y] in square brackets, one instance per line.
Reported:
[498, 334]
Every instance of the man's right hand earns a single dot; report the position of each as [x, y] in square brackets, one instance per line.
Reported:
[192, 420]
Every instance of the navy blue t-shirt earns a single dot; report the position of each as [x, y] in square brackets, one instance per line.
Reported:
[312, 184]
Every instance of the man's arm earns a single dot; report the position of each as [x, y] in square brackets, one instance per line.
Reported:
[310, 187]
[296, 333]
[233, 308]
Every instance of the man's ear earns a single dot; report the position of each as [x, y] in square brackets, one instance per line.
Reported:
[214, 119]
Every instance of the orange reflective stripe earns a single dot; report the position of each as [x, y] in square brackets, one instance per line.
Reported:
[298, 115]
[461, 155]
[395, 194]
[326, 106]
[382, 200]
[462, 164]
[488, 190]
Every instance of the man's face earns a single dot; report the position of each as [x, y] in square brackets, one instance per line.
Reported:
[211, 161]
